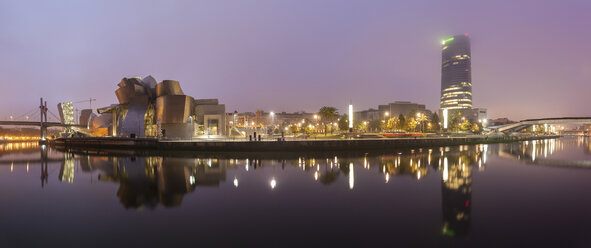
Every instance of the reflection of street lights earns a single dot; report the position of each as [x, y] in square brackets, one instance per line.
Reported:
[273, 183]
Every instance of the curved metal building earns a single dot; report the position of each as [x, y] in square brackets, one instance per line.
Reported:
[147, 108]
[168, 87]
[174, 109]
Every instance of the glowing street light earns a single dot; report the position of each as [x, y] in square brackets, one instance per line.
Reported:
[444, 118]
[272, 114]
[350, 117]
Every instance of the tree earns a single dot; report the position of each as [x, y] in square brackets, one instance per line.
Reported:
[293, 129]
[384, 125]
[475, 128]
[362, 126]
[374, 125]
[422, 118]
[455, 120]
[308, 129]
[401, 121]
[328, 128]
[411, 124]
[466, 125]
[435, 122]
[343, 123]
[393, 123]
[327, 115]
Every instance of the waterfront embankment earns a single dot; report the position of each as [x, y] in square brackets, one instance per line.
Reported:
[280, 146]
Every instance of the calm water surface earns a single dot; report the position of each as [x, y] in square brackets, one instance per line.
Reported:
[531, 194]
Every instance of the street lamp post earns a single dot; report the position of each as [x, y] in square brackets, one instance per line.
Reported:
[272, 117]
[272, 114]
[350, 118]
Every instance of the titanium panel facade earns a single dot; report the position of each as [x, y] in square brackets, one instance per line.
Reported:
[168, 87]
[174, 109]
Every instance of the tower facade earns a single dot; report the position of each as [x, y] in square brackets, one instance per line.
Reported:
[456, 73]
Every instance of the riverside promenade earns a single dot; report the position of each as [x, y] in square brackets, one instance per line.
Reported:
[310, 145]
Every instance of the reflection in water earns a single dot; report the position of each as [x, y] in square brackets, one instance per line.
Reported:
[18, 146]
[351, 176]
[67, 169]
[537, 152]
[456, 191]
[146, 182]
[149, 181]
[455, 165]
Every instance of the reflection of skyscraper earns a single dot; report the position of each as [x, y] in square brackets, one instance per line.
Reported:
[456, 75]
[456, 193]
[67, 169]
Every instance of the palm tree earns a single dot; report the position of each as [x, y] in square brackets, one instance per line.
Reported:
[421, 117]
[327, 115]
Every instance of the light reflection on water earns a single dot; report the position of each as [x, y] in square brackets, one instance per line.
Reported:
[351, 181]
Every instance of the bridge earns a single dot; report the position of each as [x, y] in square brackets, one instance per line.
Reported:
[42, 123]
[38, 124]
[515, 127]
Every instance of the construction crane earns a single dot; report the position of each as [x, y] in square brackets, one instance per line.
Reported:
[77, 110]
[89, 101]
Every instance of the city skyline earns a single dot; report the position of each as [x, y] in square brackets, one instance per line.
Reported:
[282, 56]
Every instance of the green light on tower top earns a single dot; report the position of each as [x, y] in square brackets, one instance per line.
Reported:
[447, 40]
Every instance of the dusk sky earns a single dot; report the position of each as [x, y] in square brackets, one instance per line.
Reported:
[529, 58]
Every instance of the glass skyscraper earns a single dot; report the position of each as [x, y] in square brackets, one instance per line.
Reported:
[456, 74]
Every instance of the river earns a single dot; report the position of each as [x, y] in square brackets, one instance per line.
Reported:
[530, 193]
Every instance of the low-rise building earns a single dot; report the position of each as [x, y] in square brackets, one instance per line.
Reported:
[394, 109]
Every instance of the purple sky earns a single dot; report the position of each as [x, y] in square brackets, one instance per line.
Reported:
[529, 58]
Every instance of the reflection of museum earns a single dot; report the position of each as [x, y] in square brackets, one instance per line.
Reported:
[152, 181]
[148, 109]
[149, 181]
